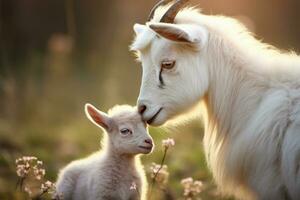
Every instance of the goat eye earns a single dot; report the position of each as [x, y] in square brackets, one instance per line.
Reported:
[125, 131]
[168, 64]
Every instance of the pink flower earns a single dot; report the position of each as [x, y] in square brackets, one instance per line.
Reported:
[168, 142]
[133, 186]
[191, 187]
[48, 186]
[160, 173]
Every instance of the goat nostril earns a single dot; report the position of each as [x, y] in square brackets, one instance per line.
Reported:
[148, 141]
[142, 109]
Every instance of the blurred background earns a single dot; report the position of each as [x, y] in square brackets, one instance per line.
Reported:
[56, 55]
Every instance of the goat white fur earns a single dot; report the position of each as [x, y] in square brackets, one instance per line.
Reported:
[250, 93]
[109, 173]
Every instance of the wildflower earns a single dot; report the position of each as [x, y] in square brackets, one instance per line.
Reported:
[133, 186]
[48, 186]
[38, 172]
[168, 143]
[28, 167]
[191, 187]
[39, 162]
[24, 165]
[197, 187]
[187, 182]
[22, 171]
[159, 173]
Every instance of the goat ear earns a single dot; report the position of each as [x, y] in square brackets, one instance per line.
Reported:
[139, 28]
[180, 32]
[99, 118]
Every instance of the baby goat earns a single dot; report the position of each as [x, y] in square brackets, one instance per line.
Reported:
[110, 173]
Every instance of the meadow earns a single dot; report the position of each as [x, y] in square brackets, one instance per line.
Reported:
[51, 125]
[49, 122]
[55, 56]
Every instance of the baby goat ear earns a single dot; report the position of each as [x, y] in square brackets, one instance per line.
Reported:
[99, 118]
[187, 33]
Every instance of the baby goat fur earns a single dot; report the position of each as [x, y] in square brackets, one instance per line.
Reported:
[108, 173]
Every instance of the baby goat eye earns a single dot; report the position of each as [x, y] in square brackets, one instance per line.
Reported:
[168, 64]
[125, 131]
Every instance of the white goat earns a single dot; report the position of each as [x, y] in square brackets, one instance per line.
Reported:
[250, 93]
[109, 173]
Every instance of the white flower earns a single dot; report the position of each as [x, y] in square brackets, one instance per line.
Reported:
[39, 162]
[168, 142]
[160, 173]
[191, 187]
[39, 173]
[187, 181]
[48, 186]
[133, 186]
[28, 167]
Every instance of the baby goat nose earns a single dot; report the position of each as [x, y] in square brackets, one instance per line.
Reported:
[142, 108]
[148, 141]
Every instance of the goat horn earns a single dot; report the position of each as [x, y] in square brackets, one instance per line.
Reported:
[160, 3]
[170, 15]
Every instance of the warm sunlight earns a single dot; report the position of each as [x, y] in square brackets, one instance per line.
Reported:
[241, 142]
